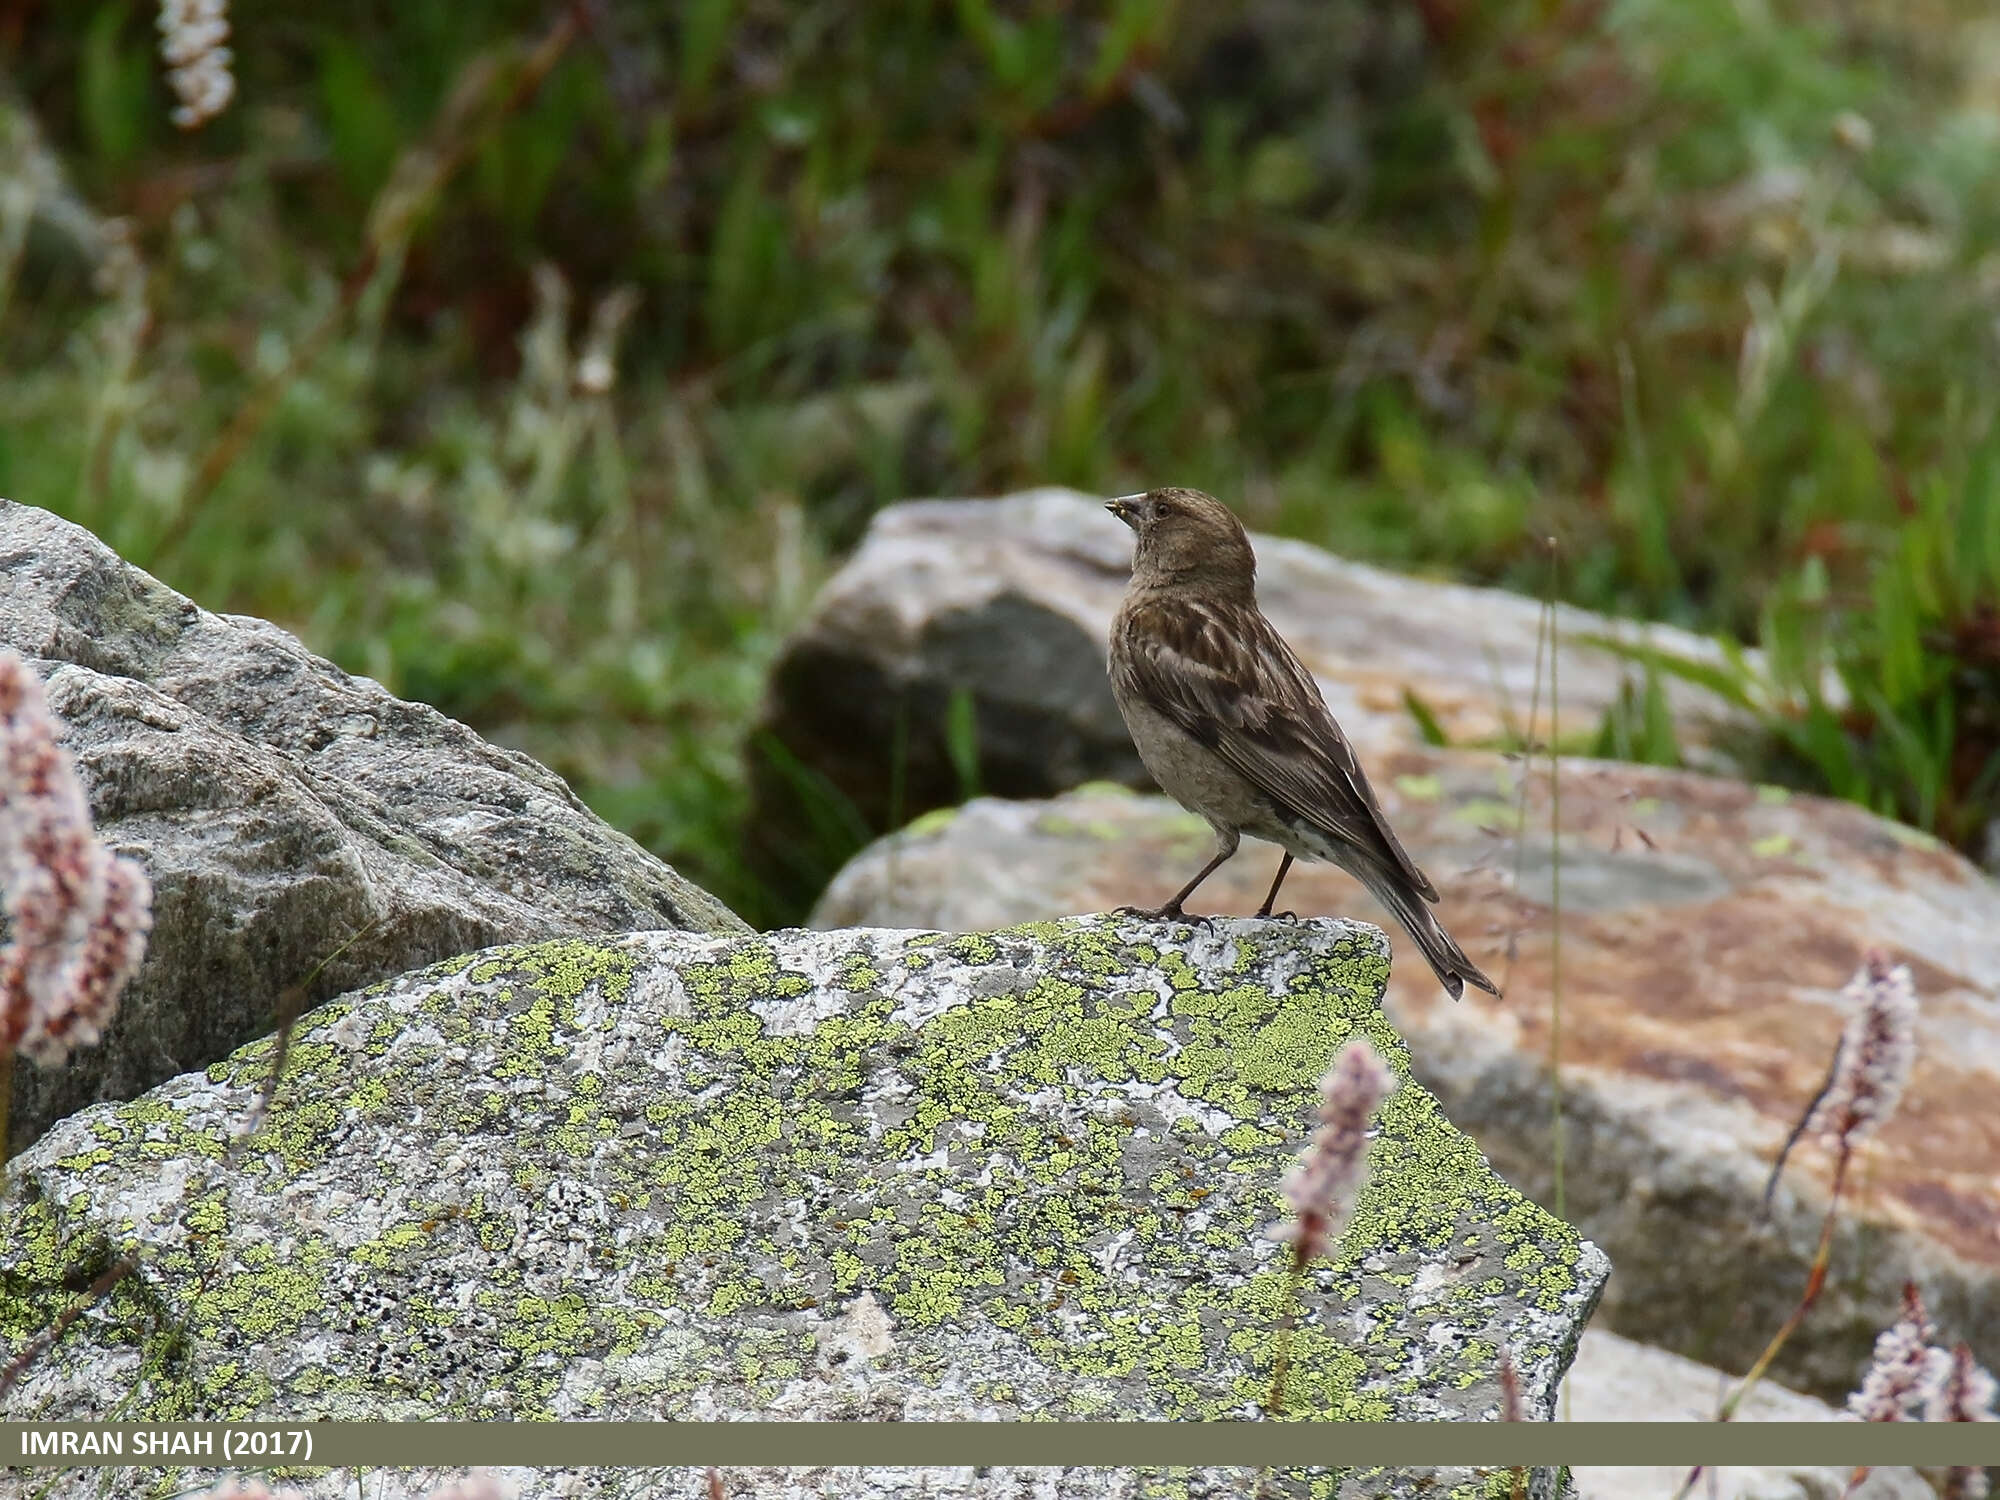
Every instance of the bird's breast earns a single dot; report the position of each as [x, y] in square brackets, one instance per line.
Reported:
[1188, 771]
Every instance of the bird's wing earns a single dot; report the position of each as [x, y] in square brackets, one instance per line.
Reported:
[1222, 674]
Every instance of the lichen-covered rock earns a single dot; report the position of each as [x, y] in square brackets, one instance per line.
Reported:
[992, 615]
[809, 1175]
[281, 807]
[1707, 929]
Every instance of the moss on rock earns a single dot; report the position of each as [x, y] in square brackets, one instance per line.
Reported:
[652, 1176]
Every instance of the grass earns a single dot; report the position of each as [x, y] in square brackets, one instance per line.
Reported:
[1889, 695]
[1422, 284]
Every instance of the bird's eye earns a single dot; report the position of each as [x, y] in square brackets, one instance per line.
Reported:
[1161, 510]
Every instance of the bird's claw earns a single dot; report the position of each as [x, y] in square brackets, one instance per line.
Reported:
[1267, 915]
[1168, 913]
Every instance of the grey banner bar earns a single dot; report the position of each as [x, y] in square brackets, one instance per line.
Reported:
[258, 1445]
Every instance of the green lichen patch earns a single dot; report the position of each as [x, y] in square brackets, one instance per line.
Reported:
[655, 1177]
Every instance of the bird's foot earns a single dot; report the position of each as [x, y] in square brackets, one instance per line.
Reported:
[1266, 914]
[1171, 912]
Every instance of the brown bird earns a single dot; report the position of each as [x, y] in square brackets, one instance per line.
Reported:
[1233, 728]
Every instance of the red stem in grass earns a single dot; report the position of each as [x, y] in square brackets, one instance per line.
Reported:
[1815, 1281]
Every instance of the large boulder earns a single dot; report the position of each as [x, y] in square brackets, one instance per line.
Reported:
[1616, 1380]
[1707, 928]
[965, 629]
[284, 809]
[804, 1176]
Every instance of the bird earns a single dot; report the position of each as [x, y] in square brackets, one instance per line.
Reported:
[1234, 728]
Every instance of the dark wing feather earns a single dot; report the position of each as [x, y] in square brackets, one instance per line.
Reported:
[1221, 673]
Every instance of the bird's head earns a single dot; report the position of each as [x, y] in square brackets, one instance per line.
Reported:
[1186, 537]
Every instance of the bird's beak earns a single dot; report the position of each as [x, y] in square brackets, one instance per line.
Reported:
[1121, 507]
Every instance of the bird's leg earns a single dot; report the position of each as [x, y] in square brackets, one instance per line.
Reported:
[1272, 899]
[1172, 910]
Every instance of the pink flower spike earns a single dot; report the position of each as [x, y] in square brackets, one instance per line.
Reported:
[1962, 1392]
[1323, 1187]
[191, 36]
[1513, 1408]
[1877, 1048]
[1903, 1366]
[77, 918]
[109, 955]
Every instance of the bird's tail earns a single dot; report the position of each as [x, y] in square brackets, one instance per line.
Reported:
[1447, 960]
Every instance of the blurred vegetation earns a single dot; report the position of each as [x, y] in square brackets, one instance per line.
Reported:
[1889, 696]
[537, 359]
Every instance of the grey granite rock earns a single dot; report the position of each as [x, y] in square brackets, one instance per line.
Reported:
[816, 1176]
[282, 807]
